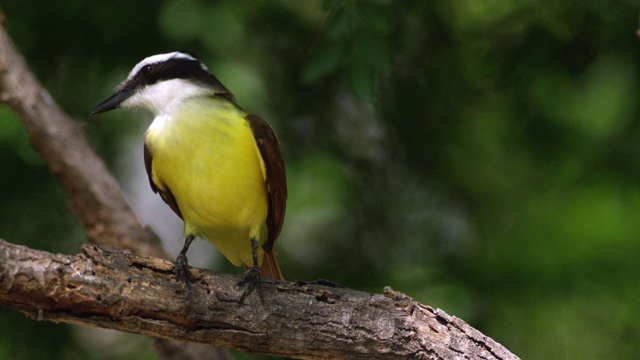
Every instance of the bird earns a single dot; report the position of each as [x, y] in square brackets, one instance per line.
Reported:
[218, 167]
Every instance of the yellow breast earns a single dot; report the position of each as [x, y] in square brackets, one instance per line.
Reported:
[205, 154]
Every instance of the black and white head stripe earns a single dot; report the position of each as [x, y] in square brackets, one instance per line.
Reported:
[174, 65]
[161, 81]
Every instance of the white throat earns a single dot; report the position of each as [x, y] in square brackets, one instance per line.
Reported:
[162, 97]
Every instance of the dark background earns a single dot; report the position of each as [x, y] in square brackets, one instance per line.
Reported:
[481, 157]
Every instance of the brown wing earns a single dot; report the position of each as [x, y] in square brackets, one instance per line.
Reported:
[166, 195]
[276, 177]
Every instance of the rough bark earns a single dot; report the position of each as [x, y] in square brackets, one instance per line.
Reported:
[108, 288]
[118, 290]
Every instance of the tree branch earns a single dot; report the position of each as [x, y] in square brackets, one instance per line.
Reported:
[122, 291]
[94, 195]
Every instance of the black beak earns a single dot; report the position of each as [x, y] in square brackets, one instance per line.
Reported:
[113, 102]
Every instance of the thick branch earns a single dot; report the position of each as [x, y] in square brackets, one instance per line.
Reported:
[116, 290]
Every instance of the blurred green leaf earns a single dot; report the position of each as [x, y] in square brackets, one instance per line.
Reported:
[182, 20]
[324, 62]
[362, 80]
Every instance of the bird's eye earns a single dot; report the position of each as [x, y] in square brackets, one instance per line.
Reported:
[146, 70]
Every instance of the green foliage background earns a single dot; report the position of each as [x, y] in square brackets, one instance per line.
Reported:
[481, 156]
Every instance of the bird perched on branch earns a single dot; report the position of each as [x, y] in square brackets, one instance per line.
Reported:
[218, 167]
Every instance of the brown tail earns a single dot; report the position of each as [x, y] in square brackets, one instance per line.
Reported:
[270, 267]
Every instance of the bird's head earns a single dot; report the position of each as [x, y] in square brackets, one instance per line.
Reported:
[160, 81]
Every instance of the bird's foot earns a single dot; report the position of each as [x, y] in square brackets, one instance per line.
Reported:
[181, 269]
[252, 281]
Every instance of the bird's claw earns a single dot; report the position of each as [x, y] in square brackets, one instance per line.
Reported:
[181, 269]
[252, 281]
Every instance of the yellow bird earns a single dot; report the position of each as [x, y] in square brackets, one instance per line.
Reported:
[218, 167]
